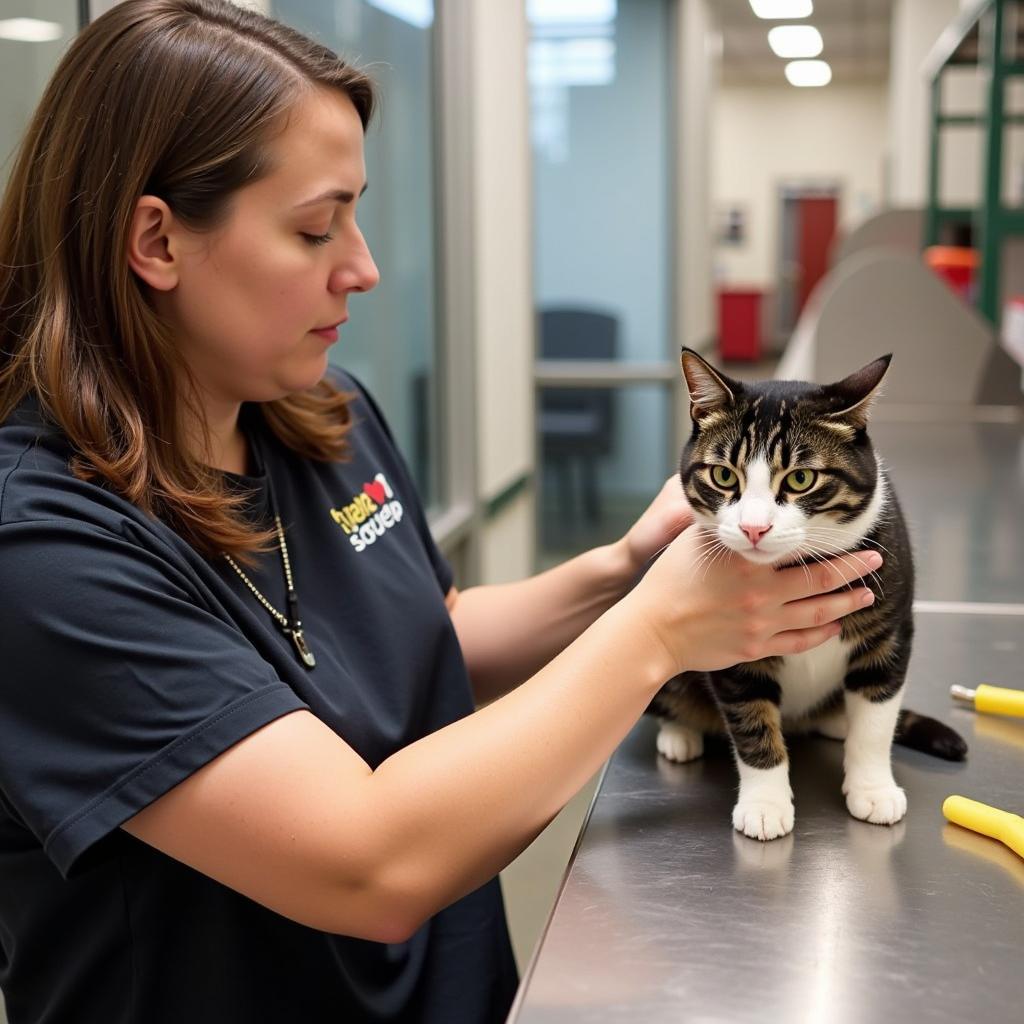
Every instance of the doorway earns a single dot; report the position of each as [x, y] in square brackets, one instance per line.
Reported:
[808, 219]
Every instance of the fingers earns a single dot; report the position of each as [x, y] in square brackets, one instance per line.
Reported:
[817, 611]
[807, 580]
[796, 641]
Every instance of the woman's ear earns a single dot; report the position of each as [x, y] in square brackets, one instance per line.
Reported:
[151, 244]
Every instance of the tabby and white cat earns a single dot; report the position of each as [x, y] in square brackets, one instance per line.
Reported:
[783, 473]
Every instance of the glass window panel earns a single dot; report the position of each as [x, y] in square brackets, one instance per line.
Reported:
[604, 454]
[33, 36]
[390, 342]
[599, 86]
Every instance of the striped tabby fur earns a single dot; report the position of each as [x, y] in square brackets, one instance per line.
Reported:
[784, 473]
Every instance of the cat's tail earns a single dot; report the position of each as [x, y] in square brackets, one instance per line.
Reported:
[919, 732]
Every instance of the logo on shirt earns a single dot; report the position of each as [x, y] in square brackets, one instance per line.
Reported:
[369, 514]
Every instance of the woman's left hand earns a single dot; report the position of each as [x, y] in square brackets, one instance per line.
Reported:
[666, 517]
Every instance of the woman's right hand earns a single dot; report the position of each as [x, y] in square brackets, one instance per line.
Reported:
[709, 612]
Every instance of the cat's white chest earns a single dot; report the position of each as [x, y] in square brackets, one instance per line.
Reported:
[806, 679]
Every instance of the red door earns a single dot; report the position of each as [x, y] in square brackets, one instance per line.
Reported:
[817, 227]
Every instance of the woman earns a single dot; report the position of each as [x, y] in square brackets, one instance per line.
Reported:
[240, 776]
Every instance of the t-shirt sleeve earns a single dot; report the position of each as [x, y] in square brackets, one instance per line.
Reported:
[116, 682]
[441, 565]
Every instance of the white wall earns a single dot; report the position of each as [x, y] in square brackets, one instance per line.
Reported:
[765, 137]
[699, 47]
[916, 26]
[503, 258]
[502, 217]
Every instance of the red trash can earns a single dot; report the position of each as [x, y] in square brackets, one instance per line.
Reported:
[739, 323]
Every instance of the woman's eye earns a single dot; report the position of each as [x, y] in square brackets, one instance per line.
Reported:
[800, 479]
[318, 239]
[723, 476]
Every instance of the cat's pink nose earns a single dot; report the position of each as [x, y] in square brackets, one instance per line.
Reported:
[755, 533]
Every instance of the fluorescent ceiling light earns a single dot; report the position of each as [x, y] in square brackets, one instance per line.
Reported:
[541, 12]
[414, 12]
[769, 9]
[30, 30]
[795, 41]
[808, 72]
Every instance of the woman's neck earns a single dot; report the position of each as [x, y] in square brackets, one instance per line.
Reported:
[237, 457]
[229, 446]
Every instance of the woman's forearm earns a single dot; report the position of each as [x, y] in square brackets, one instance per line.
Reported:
[465, 800]
[508, 631]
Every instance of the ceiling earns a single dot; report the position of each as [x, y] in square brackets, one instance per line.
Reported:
[855, 33]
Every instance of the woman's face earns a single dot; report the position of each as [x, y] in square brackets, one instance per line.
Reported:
[249, 295]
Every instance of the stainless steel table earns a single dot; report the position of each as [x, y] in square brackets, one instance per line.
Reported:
[668, 914]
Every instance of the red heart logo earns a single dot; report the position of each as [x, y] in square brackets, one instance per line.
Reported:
[375, 491]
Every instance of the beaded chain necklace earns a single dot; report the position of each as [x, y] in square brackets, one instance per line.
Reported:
[291, 624]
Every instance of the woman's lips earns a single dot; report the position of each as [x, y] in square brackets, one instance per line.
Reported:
[328, 333]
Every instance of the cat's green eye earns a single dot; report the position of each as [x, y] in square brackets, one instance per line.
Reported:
[800, 480]
[723, 476]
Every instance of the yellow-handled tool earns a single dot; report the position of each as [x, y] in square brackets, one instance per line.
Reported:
[996, 700]
[989, 821]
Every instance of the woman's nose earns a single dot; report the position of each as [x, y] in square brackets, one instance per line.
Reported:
[367, 274]
[358, 273]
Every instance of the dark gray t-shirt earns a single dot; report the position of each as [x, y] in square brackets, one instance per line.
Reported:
[128, 661]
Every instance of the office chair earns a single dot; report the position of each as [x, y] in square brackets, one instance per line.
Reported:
[577, 424]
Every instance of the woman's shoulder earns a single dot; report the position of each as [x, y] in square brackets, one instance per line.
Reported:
[38, 486]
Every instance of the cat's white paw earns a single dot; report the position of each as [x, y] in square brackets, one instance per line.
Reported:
[760, 819]
[881, 805]
[678, 743]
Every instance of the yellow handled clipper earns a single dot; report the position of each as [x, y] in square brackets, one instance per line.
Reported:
[996, 700]
[989, 821]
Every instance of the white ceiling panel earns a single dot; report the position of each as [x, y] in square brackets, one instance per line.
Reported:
[855, 34]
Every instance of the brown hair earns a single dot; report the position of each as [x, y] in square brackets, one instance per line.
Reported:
[177, 99]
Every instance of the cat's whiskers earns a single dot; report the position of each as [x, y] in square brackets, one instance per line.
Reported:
[708, 551]
[840, 534]
[707, 557]
[856, 558]
[812, 533]
[707, 548]
[823, 560]
[803, 564]
[722, 552]
[847, 559]
[702, 546]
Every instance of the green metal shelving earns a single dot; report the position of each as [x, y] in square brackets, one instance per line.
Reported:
[987, 35]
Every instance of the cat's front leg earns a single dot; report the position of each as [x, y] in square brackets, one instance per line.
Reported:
[679, 742]
[871, 791]
[764, 809]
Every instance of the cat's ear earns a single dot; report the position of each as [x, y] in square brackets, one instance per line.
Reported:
[852, 397]
[709, 389]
